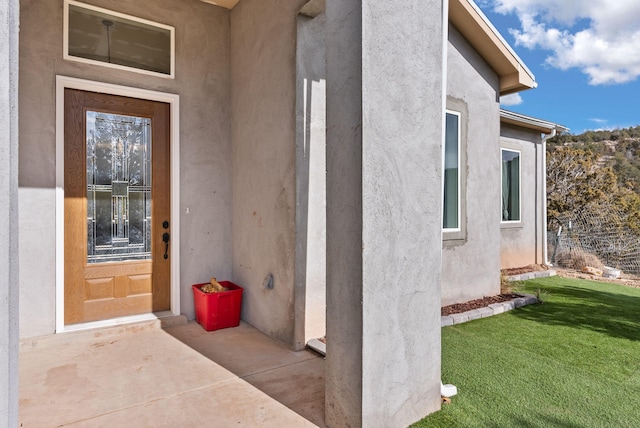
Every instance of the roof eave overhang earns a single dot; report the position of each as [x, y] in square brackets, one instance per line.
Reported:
[487, 41]
[228, 4]
[311, 9]
[529, 122]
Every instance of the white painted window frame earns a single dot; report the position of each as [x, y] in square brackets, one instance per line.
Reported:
[63, 82]
[65, 44]
[512, 222]
[460, 172]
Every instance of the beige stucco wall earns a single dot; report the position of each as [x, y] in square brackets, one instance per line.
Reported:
[471, 266]
[263, 49]
[203, 83]
[521, 243]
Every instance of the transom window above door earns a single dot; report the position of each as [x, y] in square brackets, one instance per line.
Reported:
[104, 37]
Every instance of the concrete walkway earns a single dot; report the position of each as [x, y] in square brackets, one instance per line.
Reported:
[183, 376]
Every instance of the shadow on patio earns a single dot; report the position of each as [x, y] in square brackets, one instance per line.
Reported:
[141, 375]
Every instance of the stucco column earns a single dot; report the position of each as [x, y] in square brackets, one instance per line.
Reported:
[384, 211]
[9, 213]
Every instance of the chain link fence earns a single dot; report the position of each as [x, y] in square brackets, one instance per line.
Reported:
[594, 238]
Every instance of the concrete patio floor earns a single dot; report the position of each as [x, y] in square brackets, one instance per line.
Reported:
[182, 376]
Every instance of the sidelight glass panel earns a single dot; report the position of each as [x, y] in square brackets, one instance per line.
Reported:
[118, 187]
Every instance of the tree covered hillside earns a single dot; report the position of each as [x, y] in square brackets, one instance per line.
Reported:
[617, 149]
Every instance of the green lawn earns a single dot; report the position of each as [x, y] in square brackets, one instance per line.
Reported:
[573, 361]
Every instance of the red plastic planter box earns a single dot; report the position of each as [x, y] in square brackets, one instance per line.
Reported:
[218, 310]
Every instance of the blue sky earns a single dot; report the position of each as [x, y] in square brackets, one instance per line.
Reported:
[585, 55]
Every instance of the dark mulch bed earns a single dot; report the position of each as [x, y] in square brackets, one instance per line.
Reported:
[477, 304]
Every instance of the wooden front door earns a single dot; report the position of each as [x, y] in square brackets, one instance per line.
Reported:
[116, 206]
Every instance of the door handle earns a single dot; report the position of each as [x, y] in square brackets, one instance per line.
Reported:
[165, 239]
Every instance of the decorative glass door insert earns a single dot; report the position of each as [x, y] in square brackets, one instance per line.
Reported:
[118, 187]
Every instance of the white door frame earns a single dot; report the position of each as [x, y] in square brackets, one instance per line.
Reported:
[173, 100]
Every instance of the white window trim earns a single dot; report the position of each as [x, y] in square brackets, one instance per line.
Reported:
[173, 100]
[65, 44]
[459, 228]
[514, 222]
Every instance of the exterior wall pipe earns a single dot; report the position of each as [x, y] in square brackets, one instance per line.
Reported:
[545, 252]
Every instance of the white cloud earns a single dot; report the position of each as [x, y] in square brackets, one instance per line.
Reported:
[603, 125]
[511, 100]
[599, 37]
